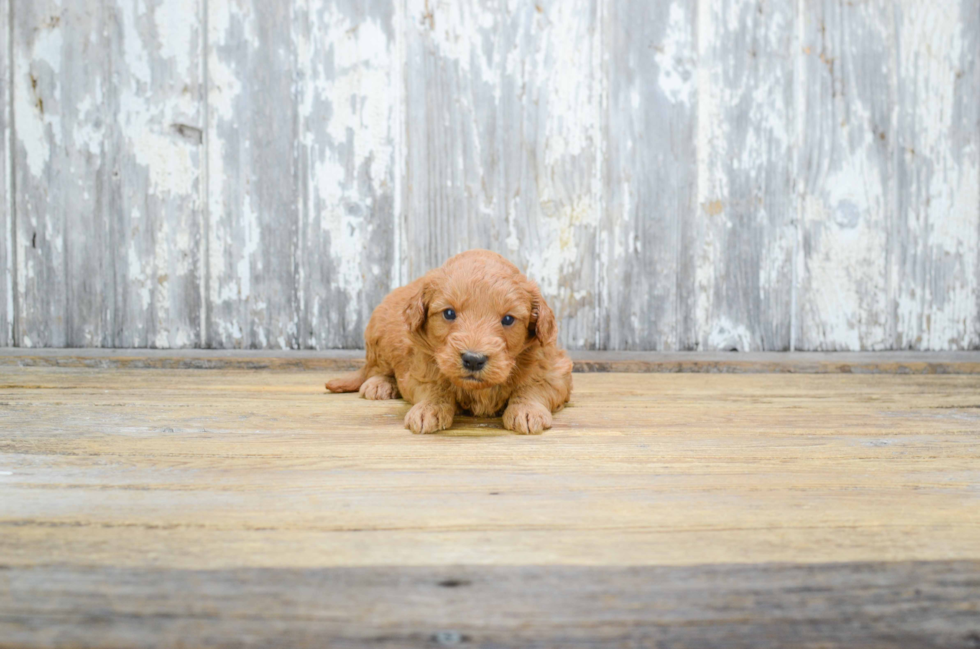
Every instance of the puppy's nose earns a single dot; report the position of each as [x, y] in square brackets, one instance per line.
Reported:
[474, 362]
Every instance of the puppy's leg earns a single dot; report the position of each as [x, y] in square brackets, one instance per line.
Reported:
[432, 412]
[529, 408]
[531, 404]
[527, 416]
[379, 386]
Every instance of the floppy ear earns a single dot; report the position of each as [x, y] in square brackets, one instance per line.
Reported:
[417, 309]
[542, 325]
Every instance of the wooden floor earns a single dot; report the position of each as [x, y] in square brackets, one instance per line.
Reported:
[166, 508]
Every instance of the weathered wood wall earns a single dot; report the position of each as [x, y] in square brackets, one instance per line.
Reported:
[676, 174]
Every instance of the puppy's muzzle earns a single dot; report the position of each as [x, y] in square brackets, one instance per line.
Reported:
[473, 361]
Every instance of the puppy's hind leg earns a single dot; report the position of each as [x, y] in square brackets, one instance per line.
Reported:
[380, 386]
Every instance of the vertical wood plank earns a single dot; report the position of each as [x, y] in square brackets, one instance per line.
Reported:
[106, 103]
[6, 190]
[253, 153]
[155, 154]
[648, 245]
[936, 236]
[61, 174]
[452, 76]
[745, 216]
[549, 139]
[504, 124]
[349, 71]
[847, 175]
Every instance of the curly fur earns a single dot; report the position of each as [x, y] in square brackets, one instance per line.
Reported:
[413, 351]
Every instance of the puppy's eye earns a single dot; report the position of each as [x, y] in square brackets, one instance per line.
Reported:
[507, 321]
[449, 314]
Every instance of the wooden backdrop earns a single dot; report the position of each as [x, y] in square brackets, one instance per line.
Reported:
[686, 174]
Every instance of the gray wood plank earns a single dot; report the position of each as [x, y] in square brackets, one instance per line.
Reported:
[745, 217]
[935, 237]
[883, 605]
[648, 246]
[504, 128]
[341, 360]
[804, 180]
[349, 70]
[253, 176]
[106, 99]
[155, 151]
[846, 175]
[6, 193]
[452, 187]
[61, 172]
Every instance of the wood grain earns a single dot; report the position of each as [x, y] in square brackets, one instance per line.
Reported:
[61, 173]
[503, 119]
[6, 188]
[300, 171]
[349, 68]
[847, 175]
[648, 243]
[253, 176]
[153, 208]
[583, 361]
[935, 236]
[677, 175]
[746, 231]
[882, 605]
[228, 507]
[106, 168]
[220, 469]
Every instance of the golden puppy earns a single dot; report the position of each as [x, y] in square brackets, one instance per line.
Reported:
[474, 335]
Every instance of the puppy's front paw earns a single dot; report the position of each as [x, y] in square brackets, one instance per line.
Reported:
[428, 418]
[379, 387]
[527, 418]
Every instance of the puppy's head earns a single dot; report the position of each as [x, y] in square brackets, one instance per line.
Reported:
[476, 315]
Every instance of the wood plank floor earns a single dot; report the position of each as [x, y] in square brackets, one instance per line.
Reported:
[166, 508]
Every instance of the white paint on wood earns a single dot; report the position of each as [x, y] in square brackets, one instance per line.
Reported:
[675, 174]
[646, 236]
[936, 239]
[156, 146]
[347, 105]
[744, 215]
[253, 175]
[300, 171]
[504, 124]
[60, 186]
[6, 189]
[847, 175]
[549, 94]
[106, 169]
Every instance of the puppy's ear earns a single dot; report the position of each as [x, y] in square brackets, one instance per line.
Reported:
[542, 325]
[417, 309]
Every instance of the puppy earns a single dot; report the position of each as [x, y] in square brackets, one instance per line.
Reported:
[475, 336]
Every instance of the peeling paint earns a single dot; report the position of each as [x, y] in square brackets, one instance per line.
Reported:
[356, 93]
[676, 57]
[843, 295]
[7, 228]
[936, 280]
[675, 174]
[34, 126]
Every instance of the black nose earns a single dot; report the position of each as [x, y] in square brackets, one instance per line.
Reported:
[474, 362]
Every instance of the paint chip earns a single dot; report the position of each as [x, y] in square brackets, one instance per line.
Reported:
[714, 208]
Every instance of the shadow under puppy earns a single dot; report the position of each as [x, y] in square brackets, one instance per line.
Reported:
[474, 335]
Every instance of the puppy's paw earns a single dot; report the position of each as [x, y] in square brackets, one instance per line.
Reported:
[527, 418]
[379, 387]
[428, 418]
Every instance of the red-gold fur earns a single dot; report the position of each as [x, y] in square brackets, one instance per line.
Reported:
[415, 352]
